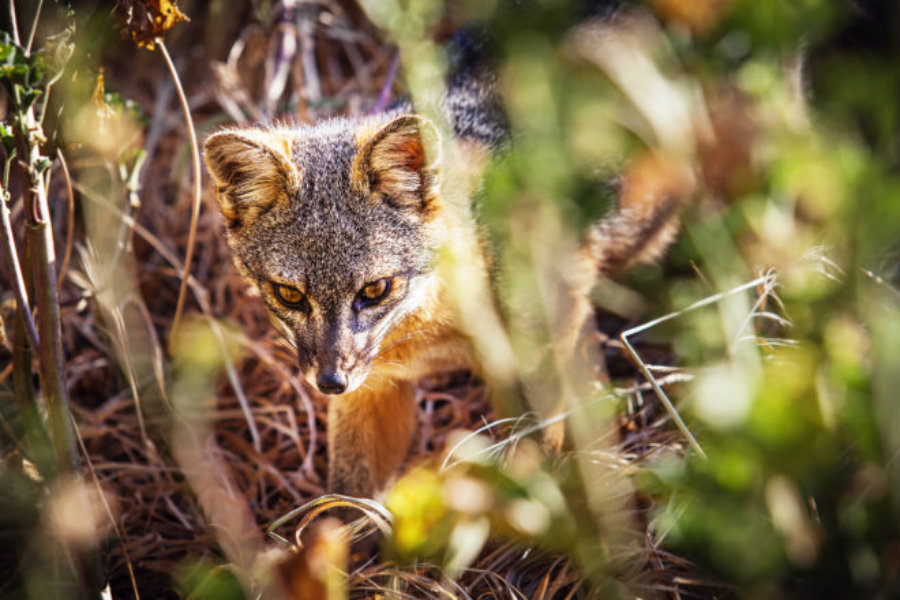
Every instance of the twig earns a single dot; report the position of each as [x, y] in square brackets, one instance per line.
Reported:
[279, 59]
[13, 24]
[34, 24]
[158, 123]
[195, 207]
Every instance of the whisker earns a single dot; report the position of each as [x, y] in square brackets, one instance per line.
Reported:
[381, 361]
[385, 361]
[404, 339]
[376, 339]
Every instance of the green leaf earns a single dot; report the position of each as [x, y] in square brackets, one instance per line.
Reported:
[42, 163]
[26, 95]
[13, 71]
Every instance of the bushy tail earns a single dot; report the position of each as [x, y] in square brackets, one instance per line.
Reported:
[654, 190]
[473, 102]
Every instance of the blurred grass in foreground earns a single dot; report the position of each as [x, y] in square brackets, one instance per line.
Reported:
[788, 114]
[793, 393]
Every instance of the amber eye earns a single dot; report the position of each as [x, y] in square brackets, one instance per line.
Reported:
[373, 293]
[291, 297]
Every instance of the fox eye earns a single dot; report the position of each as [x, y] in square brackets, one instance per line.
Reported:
[291, 297]
[373, 293]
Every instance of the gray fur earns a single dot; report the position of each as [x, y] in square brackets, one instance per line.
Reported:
[329, 240]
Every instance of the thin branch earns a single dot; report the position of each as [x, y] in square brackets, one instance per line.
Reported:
[195, 207]
[311, 81]
[34, 24]
[13, 23]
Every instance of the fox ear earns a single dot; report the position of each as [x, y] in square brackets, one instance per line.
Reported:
[252, 170]
[392, 166]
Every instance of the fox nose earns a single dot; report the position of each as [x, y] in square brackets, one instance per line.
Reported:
[331, 383]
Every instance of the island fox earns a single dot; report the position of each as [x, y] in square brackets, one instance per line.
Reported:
[339, 225]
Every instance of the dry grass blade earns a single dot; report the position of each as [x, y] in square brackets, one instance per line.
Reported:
[376, 512]
[267, 357]
[768, 281]
[195, 204]
[106, 507]
[446, 464]
[235, 381]
[202, 297]
[880, 281]
[70, 219]
[765, 292]
[518, 433]
[414, 583]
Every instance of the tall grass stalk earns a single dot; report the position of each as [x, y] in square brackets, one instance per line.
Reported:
[195, 205]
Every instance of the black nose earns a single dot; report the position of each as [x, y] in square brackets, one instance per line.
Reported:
[331, 383]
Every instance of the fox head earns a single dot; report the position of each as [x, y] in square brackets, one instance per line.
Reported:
[335, 225]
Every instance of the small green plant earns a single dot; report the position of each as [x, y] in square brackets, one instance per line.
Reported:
[27, 78]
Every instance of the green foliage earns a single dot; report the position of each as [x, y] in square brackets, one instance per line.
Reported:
[798, 493]
[204, 580]
[774, 27]
[23, 75]
[444, 515]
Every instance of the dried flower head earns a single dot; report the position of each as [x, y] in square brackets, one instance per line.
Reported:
[147, 20]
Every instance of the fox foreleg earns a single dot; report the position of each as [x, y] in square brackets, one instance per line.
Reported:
[369, 433]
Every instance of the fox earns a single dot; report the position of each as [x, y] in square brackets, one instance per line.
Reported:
[339, 225]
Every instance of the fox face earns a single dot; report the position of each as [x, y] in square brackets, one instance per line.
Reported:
[335, 225]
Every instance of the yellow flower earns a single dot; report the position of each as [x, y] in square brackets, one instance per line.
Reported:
[148, 20]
